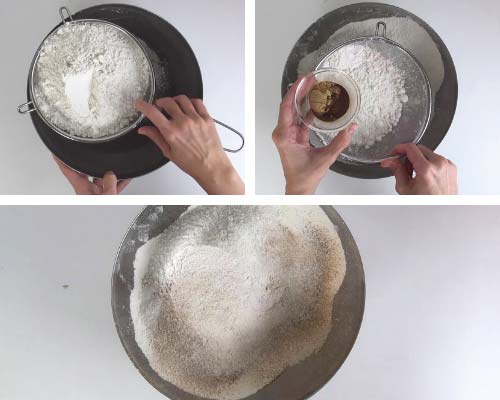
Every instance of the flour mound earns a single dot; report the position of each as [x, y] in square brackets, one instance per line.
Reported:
[408, 34]
[228, 297]
[88, 77]
[382, 91]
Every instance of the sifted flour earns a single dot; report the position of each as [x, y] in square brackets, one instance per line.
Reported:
[228, 297]
[88, 78]
[382, 91]
[382, 94]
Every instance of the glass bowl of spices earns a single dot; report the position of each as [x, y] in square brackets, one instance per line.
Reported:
[327, 100]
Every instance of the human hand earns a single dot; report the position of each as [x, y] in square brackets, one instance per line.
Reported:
[303, 165]
[109, 185]
[434, 174]
[190, 140]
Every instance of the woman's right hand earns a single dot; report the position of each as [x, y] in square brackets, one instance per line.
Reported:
[189, 139]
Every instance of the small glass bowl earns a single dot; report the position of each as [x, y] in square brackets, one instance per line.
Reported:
[303, 107]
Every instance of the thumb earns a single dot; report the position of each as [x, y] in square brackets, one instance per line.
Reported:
[109, 184]
[400, 173]
[339, 143]
[157, 138]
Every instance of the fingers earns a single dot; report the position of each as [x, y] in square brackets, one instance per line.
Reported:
[69, 173]
[109, 184]
[170, 106]
[303, 132]
[152, 113]
[339, 143]
[200, 108]
[186, 106]
[157, 138]
[428, 153]
[122, 185]
[400, 172]
[80, 182]
[414, 154]
[287, 110]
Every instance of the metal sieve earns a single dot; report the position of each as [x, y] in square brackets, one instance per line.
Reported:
[32, 106]
[416, 113]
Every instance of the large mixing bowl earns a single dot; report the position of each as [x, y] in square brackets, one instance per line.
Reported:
[295, 383]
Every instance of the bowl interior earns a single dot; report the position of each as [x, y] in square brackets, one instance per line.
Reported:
[296, 383]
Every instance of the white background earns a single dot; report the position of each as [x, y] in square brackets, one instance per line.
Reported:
[430, 329]
[215, 30]
[470, 29]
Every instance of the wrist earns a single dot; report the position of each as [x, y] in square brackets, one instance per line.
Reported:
[299, 190]
[222, 180]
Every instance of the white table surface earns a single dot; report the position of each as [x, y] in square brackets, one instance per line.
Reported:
[470, 31]
[215, 31]
[430, 328]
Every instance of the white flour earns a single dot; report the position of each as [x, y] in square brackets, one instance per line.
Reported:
[228, 297]
[88, 78]
[382, 91]
[376, 123]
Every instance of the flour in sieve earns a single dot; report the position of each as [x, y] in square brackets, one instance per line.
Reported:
[228, 297]
[404, 31]
[88, 77]
[382, 91]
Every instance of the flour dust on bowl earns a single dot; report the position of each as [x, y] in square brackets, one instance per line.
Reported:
[85, 79]
[388, 111]
[238, 302]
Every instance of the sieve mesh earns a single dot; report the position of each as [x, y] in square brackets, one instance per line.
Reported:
[112, 135]
[416, 112]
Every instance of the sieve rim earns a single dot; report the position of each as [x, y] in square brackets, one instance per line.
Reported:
[418, 137]
[107, 138]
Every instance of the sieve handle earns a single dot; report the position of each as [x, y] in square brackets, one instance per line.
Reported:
[235, 132]
[62, 12]
[25, 108]
[381, 26]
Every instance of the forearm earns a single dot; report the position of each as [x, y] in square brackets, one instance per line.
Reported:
[222, 181]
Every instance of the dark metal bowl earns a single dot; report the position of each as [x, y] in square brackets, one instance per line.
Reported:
[445, 99]
[131, 155]
[296, 383]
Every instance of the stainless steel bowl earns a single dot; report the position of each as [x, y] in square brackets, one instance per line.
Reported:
[295, 383]
[32, 106]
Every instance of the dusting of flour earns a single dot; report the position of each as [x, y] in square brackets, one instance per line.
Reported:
[87, 79]
[228, 297]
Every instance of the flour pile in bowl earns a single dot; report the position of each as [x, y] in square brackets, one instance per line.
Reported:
[228, 297]
[88, 77]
